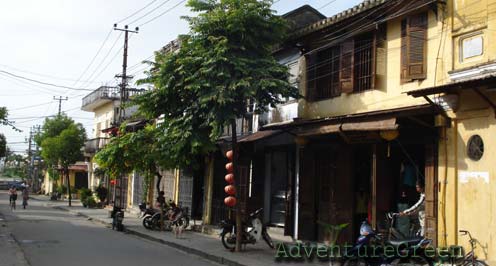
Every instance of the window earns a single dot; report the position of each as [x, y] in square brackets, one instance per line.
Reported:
[346, 68]
[413, 47]
[471, 46]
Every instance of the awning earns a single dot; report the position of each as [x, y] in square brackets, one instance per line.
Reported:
[368, 121]
[487, 81]
[372, 125]
[260, 135]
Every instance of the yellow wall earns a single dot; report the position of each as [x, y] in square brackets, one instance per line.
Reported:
[470, 202]
[473, 17]
[391, 93]
[467, 199]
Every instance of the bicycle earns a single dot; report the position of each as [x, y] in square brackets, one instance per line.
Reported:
[470, 259]
[13, 204]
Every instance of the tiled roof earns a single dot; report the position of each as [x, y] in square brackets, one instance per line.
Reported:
[362, 7]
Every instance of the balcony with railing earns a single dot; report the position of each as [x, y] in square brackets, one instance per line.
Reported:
[92, 146]
[99, 97]
[106, 94]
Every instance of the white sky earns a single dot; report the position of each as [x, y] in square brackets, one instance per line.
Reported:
[54, 41]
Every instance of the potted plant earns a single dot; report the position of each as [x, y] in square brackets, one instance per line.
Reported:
[84, 194]
[101, 193]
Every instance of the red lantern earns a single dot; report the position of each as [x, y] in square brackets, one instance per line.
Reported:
[229, 167]
[230, 201]
[113, 182]
[229, 178]
[229, 155]
[230, 190]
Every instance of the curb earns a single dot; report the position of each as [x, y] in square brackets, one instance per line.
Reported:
[199, 253]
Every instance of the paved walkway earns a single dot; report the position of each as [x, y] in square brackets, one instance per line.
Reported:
[206, 246]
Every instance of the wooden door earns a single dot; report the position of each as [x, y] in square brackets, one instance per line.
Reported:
[307, 220]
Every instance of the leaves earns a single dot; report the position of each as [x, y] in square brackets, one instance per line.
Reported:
[221, 66]
[61, 140]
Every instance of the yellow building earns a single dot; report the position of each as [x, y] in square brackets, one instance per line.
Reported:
[466, 155]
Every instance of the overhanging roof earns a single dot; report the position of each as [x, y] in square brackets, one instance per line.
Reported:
[487, 81]
[375, 120]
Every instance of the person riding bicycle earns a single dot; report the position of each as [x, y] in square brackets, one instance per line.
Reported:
[12, 195]
[418, 207]
[25, 197]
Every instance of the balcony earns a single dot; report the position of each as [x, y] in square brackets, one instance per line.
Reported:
[92, 146]
[99, 97]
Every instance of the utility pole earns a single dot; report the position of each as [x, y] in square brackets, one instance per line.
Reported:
[60, 99]
[118, 201]
[124, 77]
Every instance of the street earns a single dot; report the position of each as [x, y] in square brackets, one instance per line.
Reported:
[47, 236]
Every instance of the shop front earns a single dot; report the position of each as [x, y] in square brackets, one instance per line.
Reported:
[356, 168]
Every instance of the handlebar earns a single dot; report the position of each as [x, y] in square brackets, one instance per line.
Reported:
[465, 232]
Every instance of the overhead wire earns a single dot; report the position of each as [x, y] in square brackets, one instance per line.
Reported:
[161, 14]
[42, 82]
[149, 12]
[136, 12]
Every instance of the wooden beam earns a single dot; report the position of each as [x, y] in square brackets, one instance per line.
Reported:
[486, 99]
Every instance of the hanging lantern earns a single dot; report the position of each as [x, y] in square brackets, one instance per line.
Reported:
[389, 135]
[229, 155]
[229, 178]
[229, 167]
[230, 201]
[230, 190]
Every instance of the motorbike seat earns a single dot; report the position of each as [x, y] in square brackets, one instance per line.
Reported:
[405, 242]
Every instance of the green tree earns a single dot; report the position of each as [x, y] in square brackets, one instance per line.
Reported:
[132, 151]
[3, 146]
[4, 121]
[61, 140]
[224, 65]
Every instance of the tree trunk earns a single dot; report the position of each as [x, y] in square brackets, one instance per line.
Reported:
[239, 225]
[66, 172]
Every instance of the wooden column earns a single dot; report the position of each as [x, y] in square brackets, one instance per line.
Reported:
[374, 186]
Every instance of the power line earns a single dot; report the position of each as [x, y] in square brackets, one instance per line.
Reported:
[324, 6]
[30, 106]
[37, 74]
[41, 82]
[104, 58]
[136, 12]
[163, 13]
[94, 57]
[149, 12]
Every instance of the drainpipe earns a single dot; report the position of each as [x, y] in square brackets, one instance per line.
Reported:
[455, 139]
[445, 184]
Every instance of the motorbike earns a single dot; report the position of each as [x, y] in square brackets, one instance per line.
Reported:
[372, 249]
[173, 216]
[146, 215]
[253, 230]
[117, 216]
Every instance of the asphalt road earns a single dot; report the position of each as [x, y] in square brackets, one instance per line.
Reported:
[48, 237]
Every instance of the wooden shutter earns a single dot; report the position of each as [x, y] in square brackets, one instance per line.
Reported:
[431, 192]
[347, 66]
[414, 47]
[311, 71]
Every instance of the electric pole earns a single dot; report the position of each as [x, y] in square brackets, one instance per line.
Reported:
[60, 99]
[124, 77]
[118, 187]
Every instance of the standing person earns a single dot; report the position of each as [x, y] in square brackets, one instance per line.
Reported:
[418, 207]
[12, 196]
[25, 197]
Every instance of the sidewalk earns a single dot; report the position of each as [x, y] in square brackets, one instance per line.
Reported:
[205, 246]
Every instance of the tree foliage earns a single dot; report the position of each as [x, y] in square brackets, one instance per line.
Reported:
[61, 140]
[222, 66]
[4, 121]
[3, 146]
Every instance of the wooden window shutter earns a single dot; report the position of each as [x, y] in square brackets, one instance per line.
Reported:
[346, 68]
[311, 70]
[414, 47]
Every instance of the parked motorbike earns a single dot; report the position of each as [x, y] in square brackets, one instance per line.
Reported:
[117, 216]
[372, 249]
[146, 215]
[253, 230]
[173, 216]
